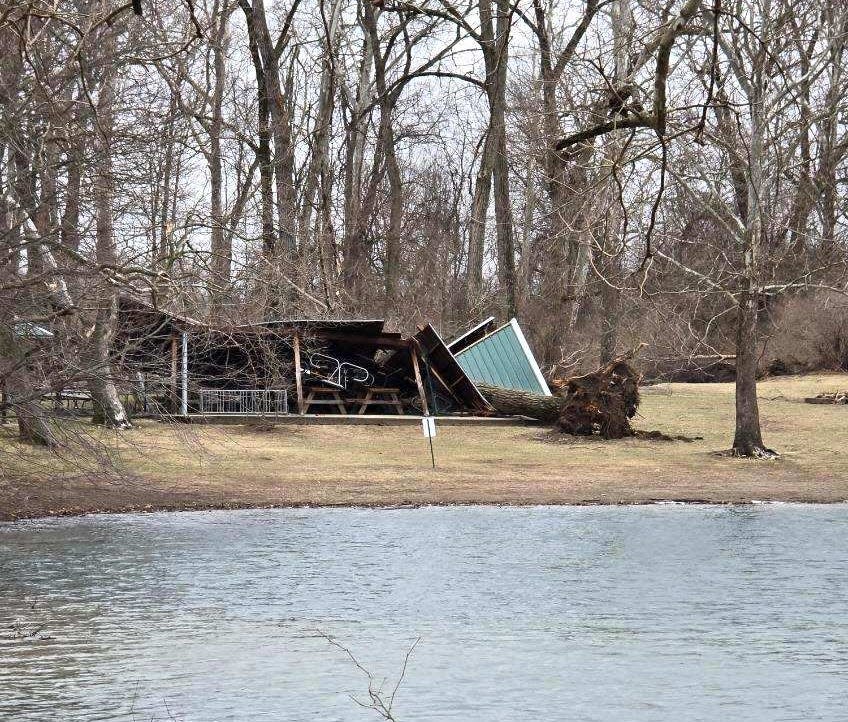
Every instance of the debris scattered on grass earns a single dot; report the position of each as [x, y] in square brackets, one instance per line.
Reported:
[836, 397]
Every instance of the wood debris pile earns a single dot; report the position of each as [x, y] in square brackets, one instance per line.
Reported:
[836, 397]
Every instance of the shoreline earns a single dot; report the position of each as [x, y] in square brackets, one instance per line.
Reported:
[90, 498]
[162, 467]
[149, 509]
[71, 513]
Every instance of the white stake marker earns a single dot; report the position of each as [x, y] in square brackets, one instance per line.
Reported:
[428, 425]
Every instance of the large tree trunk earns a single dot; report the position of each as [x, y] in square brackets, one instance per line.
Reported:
[356, 207]
[263, 153]
[477, 226]
[163, 252]
[522, 403]
[748, 439]
[355, 270]
[505, 231]
[108, 408]
[221, 244]
[566, 182]
[612, 228]
[494, 168]
[274, 121]
[21, 389]
[102, 384]
[391, 268]
[280, 114]
[320, 142]
[33, 424]
[71, 216]
[391, 261]
[500, 172]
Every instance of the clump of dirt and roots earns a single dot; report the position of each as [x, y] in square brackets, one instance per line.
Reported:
[601, 403]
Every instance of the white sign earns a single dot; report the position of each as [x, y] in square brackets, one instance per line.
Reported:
[428, 426]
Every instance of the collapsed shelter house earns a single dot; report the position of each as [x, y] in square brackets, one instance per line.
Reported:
[316, 368]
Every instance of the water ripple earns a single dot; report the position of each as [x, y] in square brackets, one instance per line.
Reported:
[648, 613]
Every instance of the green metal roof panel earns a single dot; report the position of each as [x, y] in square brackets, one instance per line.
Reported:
[504, 359]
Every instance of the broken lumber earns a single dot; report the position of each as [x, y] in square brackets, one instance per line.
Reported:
[837, 397]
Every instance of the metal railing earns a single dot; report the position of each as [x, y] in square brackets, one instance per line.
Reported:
[254, 402]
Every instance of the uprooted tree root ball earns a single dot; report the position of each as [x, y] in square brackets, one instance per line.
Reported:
[602, 402]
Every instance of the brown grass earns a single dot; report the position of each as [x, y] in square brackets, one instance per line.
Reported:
[163, 466]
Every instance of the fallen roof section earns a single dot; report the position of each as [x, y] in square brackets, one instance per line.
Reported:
[472, 335]
[448, 371]
[503, 358]
[140, 312]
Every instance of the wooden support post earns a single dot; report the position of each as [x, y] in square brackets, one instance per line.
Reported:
[174, 359]
[446, 386]
[184, 374]
[422, 395]
[297, 374]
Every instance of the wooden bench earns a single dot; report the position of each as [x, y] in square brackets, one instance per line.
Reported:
[380, 396]
[334, 399]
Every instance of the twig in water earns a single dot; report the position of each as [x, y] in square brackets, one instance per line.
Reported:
[378, 701]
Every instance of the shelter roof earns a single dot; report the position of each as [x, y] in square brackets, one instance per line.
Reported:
[464, 340]
[446, 368]
[351, 325]
[503, 358]
[160, 316]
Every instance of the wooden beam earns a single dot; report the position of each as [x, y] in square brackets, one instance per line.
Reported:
[439, 357]
[298, 379]
[383, 340]
[423, 396]
[446, 386]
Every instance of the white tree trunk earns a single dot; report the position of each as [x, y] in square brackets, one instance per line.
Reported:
[102, 382]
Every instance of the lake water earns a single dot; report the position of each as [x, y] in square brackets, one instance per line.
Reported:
[562, 613]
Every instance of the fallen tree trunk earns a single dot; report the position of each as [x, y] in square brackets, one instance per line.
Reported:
[522, 403]
[601, 402]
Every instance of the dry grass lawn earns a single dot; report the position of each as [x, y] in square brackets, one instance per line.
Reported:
[174, 466]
